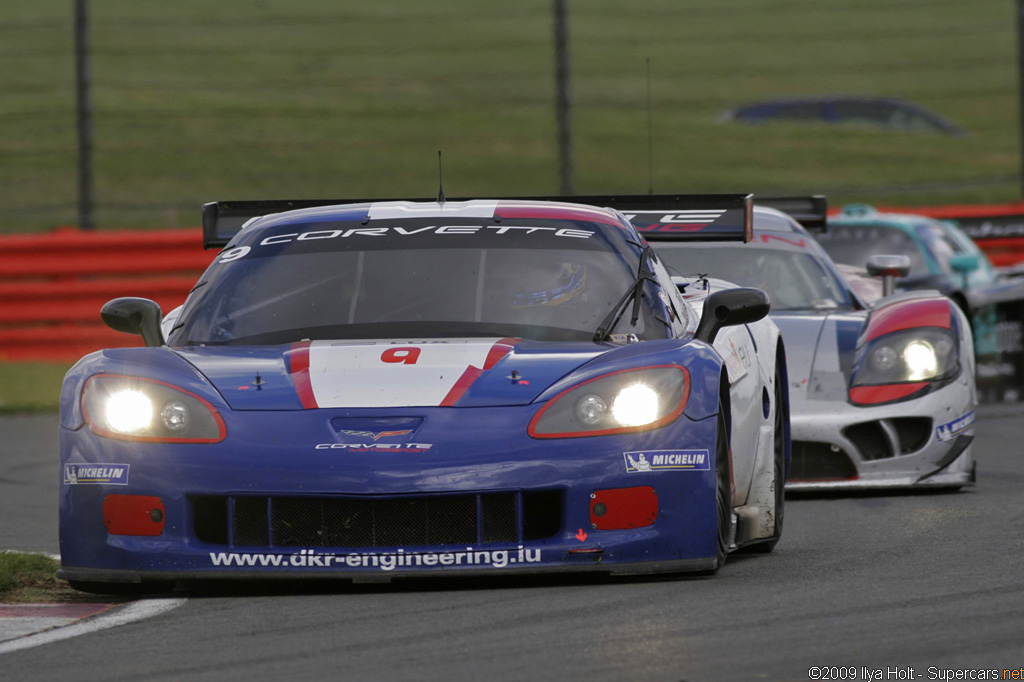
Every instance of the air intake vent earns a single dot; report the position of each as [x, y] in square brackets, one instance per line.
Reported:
[366, 521]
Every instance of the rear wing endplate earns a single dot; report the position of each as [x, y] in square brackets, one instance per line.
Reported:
[704, 217]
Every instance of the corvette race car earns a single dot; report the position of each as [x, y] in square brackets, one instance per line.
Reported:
[882, 395]
[384, 389]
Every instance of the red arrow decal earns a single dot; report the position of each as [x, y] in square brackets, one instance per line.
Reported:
[580, 535]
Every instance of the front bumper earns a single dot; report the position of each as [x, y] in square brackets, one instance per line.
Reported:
[268, 502]
[926, 442]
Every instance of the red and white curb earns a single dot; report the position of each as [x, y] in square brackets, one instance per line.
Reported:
[23, 626]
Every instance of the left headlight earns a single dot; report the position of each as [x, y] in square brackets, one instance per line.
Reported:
[914, 355]
[621, 402]
[134, 408]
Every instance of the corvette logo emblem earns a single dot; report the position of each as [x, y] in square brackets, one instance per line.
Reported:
[375, 435]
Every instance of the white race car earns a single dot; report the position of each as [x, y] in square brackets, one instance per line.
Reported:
[883, 395]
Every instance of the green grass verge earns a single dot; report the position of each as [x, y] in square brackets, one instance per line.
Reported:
[30, 386]
[196, 101]
[26, 578]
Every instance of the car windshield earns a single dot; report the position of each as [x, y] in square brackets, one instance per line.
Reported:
[412, 281]
[854, 244]
[793, 280]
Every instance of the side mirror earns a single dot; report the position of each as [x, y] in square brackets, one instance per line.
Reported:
[964, 262]
[888, 268]
[135, 316]
[731, 307]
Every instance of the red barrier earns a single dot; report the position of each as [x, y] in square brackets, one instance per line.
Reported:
[53, 285]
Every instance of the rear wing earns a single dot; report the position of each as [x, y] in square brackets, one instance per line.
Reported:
[811, 212]
[704, 217]
[693, 217]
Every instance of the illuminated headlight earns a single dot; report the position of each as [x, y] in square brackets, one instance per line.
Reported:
[133, 408]
[635, 405]
[929, 354]
[621, 402]
[921, 360]
[128, 411]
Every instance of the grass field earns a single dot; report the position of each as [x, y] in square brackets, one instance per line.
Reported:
[195, 101]
[30, 386]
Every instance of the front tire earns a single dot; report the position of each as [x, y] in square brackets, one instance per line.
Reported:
[723, 488]
[779, 481]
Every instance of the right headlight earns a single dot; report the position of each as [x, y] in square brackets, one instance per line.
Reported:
[909, 356]
[621, 402]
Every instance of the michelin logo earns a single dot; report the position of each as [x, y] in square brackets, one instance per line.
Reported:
[111, 474]
[952, 429]
[667, 460]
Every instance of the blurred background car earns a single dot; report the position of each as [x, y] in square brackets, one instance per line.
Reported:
[942, 257]
[891, 113]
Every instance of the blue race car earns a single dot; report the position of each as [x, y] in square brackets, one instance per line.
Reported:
[384, 389]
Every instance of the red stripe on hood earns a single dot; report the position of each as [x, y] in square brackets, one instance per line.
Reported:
[461, 386]
[298, 360]
[498, 351]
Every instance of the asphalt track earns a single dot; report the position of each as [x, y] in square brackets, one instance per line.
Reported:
[898, 586]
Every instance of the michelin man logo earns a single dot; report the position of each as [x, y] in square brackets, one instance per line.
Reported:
[951, 430]
[639, 464]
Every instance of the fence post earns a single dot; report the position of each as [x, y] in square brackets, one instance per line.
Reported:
[86, 201]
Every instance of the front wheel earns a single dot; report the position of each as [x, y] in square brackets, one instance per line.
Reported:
[779, 481]
[723, 488]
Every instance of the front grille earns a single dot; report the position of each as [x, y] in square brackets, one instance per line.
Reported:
[913, 433]
[819, 462]
[887, 438]
[870, 439]
[370, 521]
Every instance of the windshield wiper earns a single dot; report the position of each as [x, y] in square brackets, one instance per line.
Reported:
[634, 293]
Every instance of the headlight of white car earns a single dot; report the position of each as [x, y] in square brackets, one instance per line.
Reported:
[914, 355]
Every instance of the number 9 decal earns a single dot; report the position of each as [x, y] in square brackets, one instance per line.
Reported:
[233, 254]
[407, 356]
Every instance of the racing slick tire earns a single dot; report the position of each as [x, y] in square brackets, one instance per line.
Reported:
[723, 488]
[779, 480]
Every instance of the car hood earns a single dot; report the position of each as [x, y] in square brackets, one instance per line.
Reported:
[820, 348]
[474, 372]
